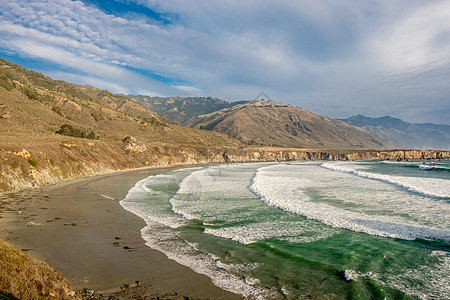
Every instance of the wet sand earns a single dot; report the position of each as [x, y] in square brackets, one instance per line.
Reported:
[80, 229]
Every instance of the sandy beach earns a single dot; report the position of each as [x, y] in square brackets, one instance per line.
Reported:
[80, 229]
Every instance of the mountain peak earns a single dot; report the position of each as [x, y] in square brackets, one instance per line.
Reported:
[266, 103]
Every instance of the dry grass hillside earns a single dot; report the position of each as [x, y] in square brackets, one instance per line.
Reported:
[270, 123]
[53, 130]
[34, 103]
[24, 277]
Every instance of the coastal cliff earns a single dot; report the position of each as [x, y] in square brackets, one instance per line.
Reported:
[34, 164]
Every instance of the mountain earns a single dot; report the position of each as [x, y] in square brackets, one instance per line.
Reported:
[404, 134]
[182, 110]
[263, 123]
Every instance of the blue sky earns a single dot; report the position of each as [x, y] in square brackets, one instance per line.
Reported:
[338, 58]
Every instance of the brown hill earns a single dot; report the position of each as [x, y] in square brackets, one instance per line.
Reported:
[32, 103]
[53, 130]
[269, 123]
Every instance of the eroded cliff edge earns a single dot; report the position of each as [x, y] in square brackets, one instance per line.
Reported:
[38, 163]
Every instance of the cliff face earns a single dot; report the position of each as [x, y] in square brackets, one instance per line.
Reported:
[41, 162]
[281, 154]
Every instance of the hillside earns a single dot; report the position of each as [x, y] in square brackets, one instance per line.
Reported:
[53, 130]
[24, 277]
[263, 123]
[32, 102]
[404, 134]
[182, 110]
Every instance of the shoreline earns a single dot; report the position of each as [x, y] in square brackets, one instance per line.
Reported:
[79, 228]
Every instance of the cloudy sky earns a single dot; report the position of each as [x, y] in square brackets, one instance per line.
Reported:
[338, 58]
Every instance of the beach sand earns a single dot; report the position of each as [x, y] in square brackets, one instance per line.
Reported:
[80, 229]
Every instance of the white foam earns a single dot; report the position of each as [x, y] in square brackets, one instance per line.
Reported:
[201, 194]
[434, 273]
[425, 166]
[362, 206]
[159, 235]
[350, 275]
[296, 232]
[434, 187]
[135, 203]
[201, 262]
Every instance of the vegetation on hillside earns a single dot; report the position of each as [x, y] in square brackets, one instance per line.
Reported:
[24, 277]
[69, 130]
[182, 110]
[35, 103]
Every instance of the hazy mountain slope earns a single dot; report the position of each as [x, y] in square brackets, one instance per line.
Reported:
[404, 134]
[270, 123]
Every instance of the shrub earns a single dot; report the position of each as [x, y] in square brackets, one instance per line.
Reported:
[92, 136]
[33, 162]
[96, 116]
[31, 93]
[58, 110]
[5, 82]
[69, 130]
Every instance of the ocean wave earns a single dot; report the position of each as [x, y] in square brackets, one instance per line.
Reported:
[160, 235]
[430, 187]
[434, 272]
[201, 262]
[135, 203]
[286, 189]
[200, 194]
[296, 232]
[423, 166]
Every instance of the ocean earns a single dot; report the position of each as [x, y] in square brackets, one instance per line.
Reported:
[302, 230]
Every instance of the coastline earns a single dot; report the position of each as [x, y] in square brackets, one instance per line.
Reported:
[80, 229]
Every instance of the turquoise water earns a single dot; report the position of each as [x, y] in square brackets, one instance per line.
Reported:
[322, 230]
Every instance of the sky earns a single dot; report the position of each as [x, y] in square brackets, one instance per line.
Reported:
[334, 57]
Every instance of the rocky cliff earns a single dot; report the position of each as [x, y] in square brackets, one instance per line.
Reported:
[33, 164]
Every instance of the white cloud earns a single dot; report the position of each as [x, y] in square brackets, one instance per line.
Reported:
[190, 90]
[419, 39]
[334, 57]
[87, 80]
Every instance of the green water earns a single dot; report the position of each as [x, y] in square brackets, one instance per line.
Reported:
[290, 231]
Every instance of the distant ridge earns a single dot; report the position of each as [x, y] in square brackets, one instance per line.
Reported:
[404, 134]
[263, 122]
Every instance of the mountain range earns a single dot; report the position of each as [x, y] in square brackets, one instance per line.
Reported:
[263, 122]
[404, 134]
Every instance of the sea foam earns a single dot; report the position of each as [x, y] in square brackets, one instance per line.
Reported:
[159, 232]
[351, 204]
[434, 187]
